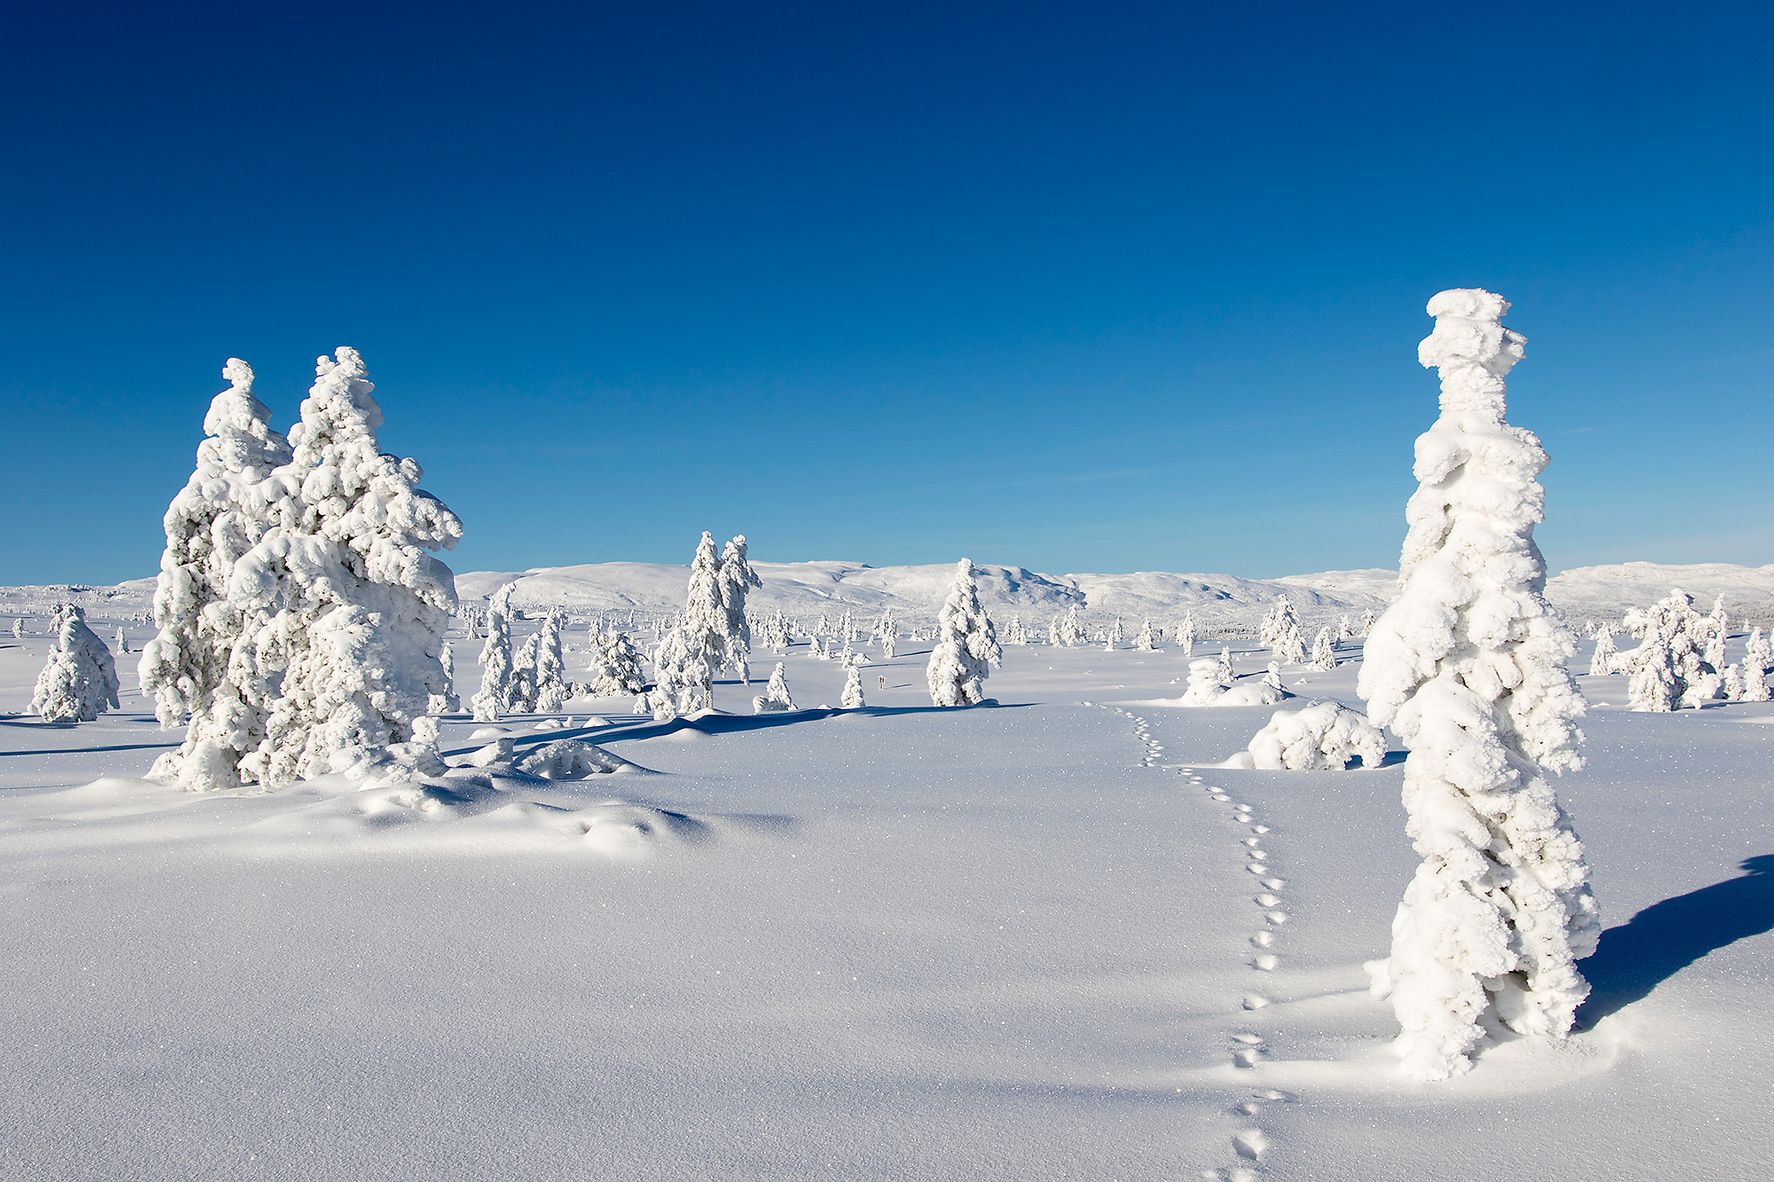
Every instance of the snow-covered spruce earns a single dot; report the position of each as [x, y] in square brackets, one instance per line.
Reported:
[1468, 667]
[447, 702]
[189, 667]
[1325, 736]
[1283, 636]
[79, 679]
[1758, 654]
[736, 578]
[691, 653]
[616, 668]
[1601, 660]
[1324, 658]
[349, 603]
[1186, 634]
[549, 673]
[496, 662]
[852, 699]
[775, 697]
[966, 645]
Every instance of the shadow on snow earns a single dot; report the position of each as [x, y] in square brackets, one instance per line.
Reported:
[1665, 938]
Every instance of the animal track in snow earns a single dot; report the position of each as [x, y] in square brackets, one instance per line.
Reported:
[1251, 1144]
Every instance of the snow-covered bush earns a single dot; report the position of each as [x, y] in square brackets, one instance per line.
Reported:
[1325, 736]
[348, 601]
[189, 666]
[569, 759]
[966, 645]
[1468, 668]
[1205, 688]
[79, 678]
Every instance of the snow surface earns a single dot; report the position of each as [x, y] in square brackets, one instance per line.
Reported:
[1043, 940]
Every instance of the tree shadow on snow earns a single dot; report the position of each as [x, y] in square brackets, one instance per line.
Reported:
[1665, 938]
[726, 724]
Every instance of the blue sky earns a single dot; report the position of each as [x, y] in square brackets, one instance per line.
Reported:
[1076, 287]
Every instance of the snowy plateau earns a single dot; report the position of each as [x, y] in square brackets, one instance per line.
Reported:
[1062, 935]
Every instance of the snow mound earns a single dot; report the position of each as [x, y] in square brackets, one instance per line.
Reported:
[1324, 736]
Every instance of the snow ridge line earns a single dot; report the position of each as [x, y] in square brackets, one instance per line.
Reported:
[1248, 1047]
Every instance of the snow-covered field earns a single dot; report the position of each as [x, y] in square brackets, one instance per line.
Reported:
[1046, 939]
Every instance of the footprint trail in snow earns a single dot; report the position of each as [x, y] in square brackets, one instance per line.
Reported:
[1247, 1048]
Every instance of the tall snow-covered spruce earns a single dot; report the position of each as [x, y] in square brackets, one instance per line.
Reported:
[966, 645]
[350, 603]
[1468, 668]
[212, 523]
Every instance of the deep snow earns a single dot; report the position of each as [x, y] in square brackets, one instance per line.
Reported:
[1043, 940]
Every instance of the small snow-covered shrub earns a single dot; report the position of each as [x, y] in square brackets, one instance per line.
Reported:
[568, 759]
[1205, 688]
[1325, 736]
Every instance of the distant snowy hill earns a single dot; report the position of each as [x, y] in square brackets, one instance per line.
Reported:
[914, 592]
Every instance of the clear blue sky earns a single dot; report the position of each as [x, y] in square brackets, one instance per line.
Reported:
[1079, 287]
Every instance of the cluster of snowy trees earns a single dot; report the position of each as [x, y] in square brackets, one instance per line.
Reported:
[300, 607]
[1680, 659]
[1468, 668]
[1280, 634]
[711, 635]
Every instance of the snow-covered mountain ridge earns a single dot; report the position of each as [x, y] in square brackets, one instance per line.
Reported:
[914, 592]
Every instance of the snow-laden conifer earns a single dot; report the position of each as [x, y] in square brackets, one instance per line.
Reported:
[189, 666]
[1324, 657]
[79, 678]
[1186, 634]
[775, 696]
[1758, 654]
[737, 578]
[1287, 644]
[1468, 668]
[616, 665]
[1223, 671]
[447, 702]
[496, 662]
[353, 602]
[852, 699]
[550, 671]
[1145, 640]
[1071, 628]
[966, 645]
[1601, 660]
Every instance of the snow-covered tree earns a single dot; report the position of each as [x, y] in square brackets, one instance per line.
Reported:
[1071, 629]
[447, 702]
[1223, 671]
[966, 645]
[350, 602]
[616, 667]
[852, 699]
[1758, 654]
[1367, 622]
[496, 663]
[1205, 685]
[1672, 637]
[1116, 636]
[1468, 668]
[1345, 629]
[1601, 661]
[1272, 676]
[1145, 641]
[18, 628]
[1287, 644]
[1324, 657]
[190, 667]
[1186, 634]
[775, 696]
[550, 669]
[79, 679]
[1652, 687]
[736, 578]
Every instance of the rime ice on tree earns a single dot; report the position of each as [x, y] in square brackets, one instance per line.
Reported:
[79, 678]
[212, 523]
[1468, 668]
[966, 645]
